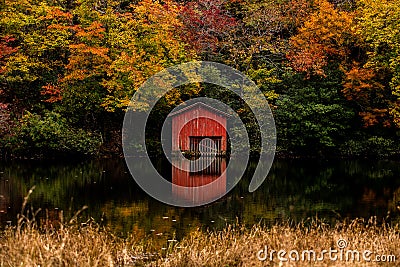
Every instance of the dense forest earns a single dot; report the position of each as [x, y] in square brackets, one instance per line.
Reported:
[329, 69]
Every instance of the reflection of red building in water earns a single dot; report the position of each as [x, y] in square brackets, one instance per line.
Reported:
[194, 127]
[196, 122]
[192, 180]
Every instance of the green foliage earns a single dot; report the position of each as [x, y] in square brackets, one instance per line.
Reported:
[371, 147]
[49, 135]
[6, 126]
[312, 117]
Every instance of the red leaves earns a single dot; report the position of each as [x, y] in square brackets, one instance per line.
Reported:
[3, 106]
[311, 60]
[5, 49]
[86, 61]
[205, 23]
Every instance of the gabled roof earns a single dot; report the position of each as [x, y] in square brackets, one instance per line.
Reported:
[199, 104]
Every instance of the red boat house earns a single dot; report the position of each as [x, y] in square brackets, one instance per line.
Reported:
[192, 124]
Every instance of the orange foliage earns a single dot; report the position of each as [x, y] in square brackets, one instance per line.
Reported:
[53, 91]
[325, 35]
[95, 30]
[6, 50]
[361, 86]
[375, 117]
[88, 57]
[56, 13]
[297, 12]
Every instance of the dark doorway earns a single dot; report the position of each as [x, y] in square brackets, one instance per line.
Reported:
[207, 148]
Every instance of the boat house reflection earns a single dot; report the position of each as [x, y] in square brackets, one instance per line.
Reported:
[191, 181]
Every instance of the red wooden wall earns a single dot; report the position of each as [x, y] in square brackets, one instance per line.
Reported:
[197, 121]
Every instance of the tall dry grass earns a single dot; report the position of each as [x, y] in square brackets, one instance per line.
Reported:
[68, 246]
[91, 245]
[238, 246]
[70, 243]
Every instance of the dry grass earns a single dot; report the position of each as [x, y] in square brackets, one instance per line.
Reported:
[90, 245]
[238, 246]
[68, 243]
[73, 244]
[68, 246]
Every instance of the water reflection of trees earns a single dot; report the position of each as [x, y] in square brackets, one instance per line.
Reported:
[299, 189]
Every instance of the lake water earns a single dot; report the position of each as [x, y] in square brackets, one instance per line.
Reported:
[294, 191]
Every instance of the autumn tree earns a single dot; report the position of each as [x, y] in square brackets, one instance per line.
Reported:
[80, 88]
[6, 50]
[326, 36]
[206, 26]
[366, 88]
[377, 25]
[43, 32]
[42, 50]
[143, 42]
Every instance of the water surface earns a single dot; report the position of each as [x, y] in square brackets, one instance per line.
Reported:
[294, 190]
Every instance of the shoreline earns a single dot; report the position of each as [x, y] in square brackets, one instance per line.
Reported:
[279, 156]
